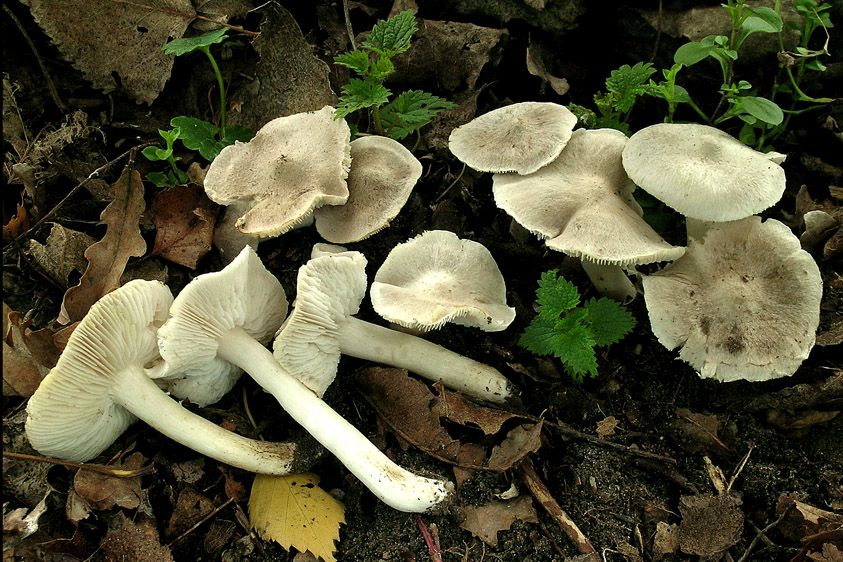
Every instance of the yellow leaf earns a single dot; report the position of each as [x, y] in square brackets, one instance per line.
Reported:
[294, 512]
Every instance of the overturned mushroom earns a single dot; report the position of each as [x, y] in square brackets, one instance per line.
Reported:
[210, 322]
[743, 303]
[437, 278]
[292, 166]
[582, 205]
[321, 327]
[521, 137]
[382, 176]
[100, 386]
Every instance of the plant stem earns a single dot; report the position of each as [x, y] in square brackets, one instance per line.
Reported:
[221, 84]
[377, 120]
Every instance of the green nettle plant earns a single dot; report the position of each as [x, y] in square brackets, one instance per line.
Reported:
[195, 134]
[409, 111]
[571, 332]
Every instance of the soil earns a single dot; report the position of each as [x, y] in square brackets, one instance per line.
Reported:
[774, 438]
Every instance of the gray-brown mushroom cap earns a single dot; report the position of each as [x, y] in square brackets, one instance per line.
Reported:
[521, 137]
[243, 294]
[382, 176]
[743, 303]
[292, 166]
[703, 172]
[437, 278]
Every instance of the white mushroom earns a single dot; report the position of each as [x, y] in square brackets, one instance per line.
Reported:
[521, 137]
[100, 386]
[382, 176]
[703, 172]
[742, 303]
[206, 326]
[582, 205]
[321, 327]
[293, 165]
[437, 278]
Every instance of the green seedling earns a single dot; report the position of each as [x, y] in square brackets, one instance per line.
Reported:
[571, 332]
[174, 176]
[406, 113]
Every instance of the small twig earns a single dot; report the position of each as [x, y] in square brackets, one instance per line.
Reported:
[571, 432]
[98, 468]
[54, 93]
[432, 546]
[188, 16]
[200, 522]
[348, 27]
[542, 494]
[249, 413]
[740, 468]
[453, 183]
[761, 533]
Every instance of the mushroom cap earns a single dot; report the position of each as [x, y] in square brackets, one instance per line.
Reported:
[437, 278]
[382, 176]
[329, 289]
[744, 302]
[244, 294]
[521, 137]
[582, 203]
[292, 166]
[703, 172]
[72, 416]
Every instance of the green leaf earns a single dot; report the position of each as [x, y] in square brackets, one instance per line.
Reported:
[765, 20]
[538, 336]
[574, 345]
[154, 154]
[381, 68]
[392, 36]
[609, 320]
[359, 94]
[161, 180]
[198, 135]
[692, 53]
[184, 46]
[555, 295]
[358, 61]
[627, 83]
[762, 109]
[236, 133]
[410, 111]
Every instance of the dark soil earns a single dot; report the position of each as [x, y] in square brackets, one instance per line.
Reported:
[616, 497]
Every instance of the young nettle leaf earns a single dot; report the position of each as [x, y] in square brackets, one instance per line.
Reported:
[392, 36]
[359, 94]
[627, 83]
[410, 111]
[187, 45]
[555, 295]
[358, 61]
[610, 321]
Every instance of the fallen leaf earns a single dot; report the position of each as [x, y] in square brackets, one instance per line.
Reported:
[295, 512]
[110, 41]
[486, 520]
[184, 224]
[606, 427]
[666, 540]
[17, 225]
[830, 553]
[63, 253]
[519, 443]
[799, 421]
[471, 454]
[190, 508]
[536, 67]
[101, 491]
[22, 520]
[456, 408]
[233, 489]
[133, 540]
[107, 258]
[710, 523]
[803, 519]
[700, 432]
[23, 367]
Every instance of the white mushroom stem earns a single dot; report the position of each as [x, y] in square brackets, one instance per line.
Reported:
[365, 340]
[394, 485]
[609, 280]
[136, 392]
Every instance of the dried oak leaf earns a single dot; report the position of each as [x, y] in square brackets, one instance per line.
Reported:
[136, 540]
[16, 225]
[107, 258]
[190, 508]
[456, 408]
[101, 492]
[804, 520]
[116, 44]
[519, 443]
[710, 524]
[701, 432]
[486, 520]
[63, 253]
[27, 355]
[184, 224]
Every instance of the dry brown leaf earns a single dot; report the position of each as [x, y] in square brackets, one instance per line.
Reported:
[519, 443]
[190, 508]
[101, 492]
[454, 407]
[116, 44]
[136, 540]
[22, 520]
[184, 224]
[803, 519]
[17, 225]
[666, 540]
[606, 427]
[536, 67]
[107, 258]
[470, 454]
[799, 421]
[27, 355]
[486, 520]
[233, 489]
[710, 523]
[63, 253]
[700, 432]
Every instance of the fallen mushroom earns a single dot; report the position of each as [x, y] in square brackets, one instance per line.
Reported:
[209, 323]
[321, 327]
[99, 387]
[437, 278]
[743, 303]
[293, 165]
[382, 176]
[521, 137]
[582, 205]
[703, 173]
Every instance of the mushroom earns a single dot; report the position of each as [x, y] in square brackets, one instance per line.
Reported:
[437, 278]
[293, 165]
[100, 386]
[321, 327]
[582, 205]
[382, 176]
[703, 173]
[210, 323]
[743, 303]
[521, 137]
